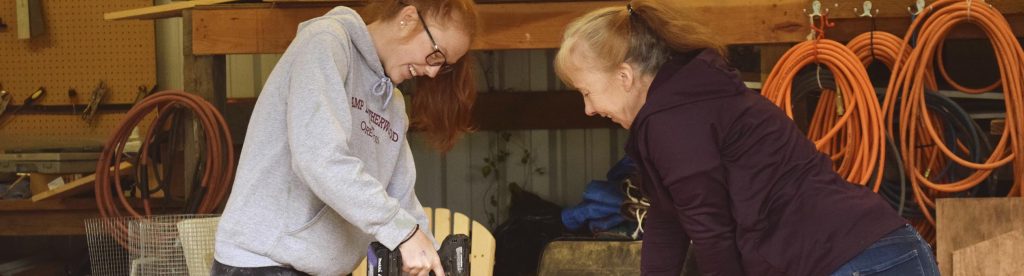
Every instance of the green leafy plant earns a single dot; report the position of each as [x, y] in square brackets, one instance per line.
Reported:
[498, 158]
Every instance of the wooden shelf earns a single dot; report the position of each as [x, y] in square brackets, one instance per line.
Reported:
[53, 217]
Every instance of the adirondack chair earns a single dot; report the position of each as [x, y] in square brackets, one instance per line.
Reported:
[196, 236]
[444, 222]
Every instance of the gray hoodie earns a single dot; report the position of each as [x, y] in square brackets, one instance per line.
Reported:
[326, 167]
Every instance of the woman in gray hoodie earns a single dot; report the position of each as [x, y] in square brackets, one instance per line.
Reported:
[326, 167]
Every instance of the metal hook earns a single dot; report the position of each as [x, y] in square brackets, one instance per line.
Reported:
[815, 11]
[920, 7]
[867, 10]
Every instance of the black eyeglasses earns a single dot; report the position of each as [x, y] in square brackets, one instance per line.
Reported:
[435, 58]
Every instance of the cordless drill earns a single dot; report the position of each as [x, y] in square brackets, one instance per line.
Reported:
[454, 254]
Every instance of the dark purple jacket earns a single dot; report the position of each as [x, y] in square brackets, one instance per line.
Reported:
[727, 169]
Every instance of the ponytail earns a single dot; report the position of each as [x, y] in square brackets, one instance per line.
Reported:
[644, 33]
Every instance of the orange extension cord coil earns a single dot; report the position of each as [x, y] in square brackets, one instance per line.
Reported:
[218, 169]
[847, 124]
[918, 129]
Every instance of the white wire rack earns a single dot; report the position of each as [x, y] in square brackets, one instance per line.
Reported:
[157, 245]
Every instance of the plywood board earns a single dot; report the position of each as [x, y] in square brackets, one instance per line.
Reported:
[962, 222]
[997, 256]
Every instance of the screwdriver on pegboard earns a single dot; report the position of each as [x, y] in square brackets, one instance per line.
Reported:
[32, 99]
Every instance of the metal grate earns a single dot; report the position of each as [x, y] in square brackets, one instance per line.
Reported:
[157, 245]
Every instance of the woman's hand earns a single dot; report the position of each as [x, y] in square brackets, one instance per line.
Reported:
[419, 257]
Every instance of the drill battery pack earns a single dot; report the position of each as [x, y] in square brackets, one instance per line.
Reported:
[454, 254]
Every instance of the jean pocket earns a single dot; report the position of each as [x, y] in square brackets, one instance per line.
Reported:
[905, 264]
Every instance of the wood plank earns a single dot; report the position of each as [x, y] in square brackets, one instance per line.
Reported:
[204, 75]
[49, 205]
[77, 186]
[58, 217]
[962, 222]
[268, 29]
[442, 223]
[998, 256]
[361, 269]
[481, 255]
[460, 224]
[536, 25]
[43, 223]
[172, 9]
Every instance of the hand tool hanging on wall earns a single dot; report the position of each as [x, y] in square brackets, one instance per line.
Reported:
[73, 99]
[143, 93]
[32, 99]
[5, 99]
[89, 113]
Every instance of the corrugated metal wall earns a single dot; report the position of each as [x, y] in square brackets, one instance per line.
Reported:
[555, 164]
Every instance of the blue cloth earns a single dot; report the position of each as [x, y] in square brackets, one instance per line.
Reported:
[621, 170]
[599, 210]
[603, 192]
[902, 252]
[576, 217]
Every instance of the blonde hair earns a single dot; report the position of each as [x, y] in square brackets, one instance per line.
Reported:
[644, 37]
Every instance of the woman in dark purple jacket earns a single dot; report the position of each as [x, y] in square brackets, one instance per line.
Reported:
[723, 167]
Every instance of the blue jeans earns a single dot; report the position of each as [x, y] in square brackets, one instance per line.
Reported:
[220, 269]
[901, 252]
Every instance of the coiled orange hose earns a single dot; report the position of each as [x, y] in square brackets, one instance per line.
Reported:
[218, 170]
[850, 128]
[918, 129]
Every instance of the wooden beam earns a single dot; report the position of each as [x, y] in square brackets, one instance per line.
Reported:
[58, 217]
[264, 28]
[172, 9]
[268, 29]
[206, 76]
[250, 30]
[533, 110]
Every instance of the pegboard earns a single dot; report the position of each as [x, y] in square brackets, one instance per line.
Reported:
[77, 50]
[63, 131]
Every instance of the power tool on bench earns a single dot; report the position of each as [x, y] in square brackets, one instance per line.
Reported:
[454, 254]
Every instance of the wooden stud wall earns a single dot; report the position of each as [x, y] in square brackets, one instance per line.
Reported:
[77, 50]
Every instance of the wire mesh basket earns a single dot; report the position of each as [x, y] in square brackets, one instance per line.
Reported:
[156, 245]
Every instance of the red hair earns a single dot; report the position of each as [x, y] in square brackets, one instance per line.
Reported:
[441, 106]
